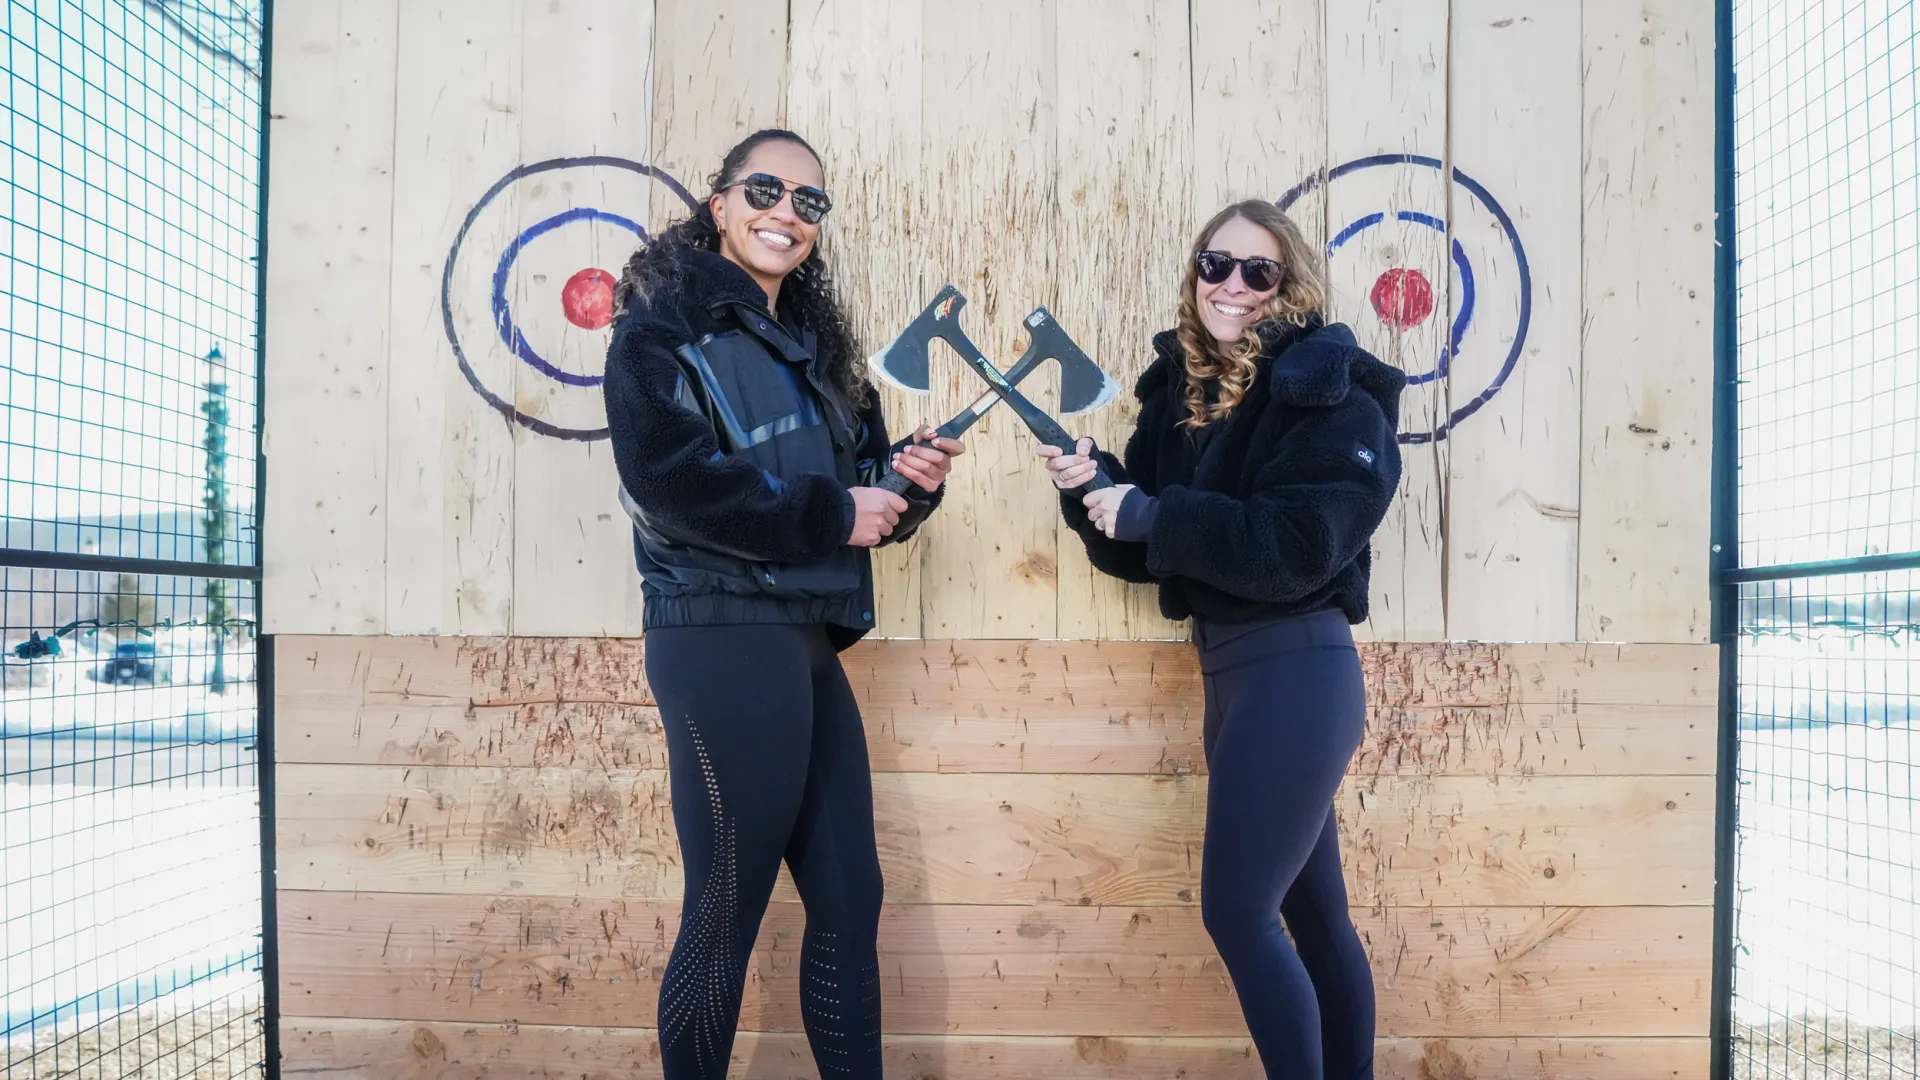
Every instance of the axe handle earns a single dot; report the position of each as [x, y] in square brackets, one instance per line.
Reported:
[1044, 427]
[966, 418]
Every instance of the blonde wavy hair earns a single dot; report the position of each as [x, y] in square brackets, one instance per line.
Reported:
[1302, 292]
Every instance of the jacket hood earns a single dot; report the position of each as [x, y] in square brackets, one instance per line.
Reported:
[1314, 365]
[701, 283]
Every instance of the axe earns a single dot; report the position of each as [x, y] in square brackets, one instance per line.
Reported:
[1083, 385]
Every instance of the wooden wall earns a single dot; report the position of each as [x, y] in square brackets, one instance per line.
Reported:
[478, 875]
[1545, 168]
[476, 855]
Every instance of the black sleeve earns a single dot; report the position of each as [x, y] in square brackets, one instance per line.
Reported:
[671, 465]
[876, 455]
[1118, 558]
[1317, 501]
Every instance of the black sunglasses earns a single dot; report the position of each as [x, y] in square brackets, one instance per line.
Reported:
[764, 192]
[1217, 266]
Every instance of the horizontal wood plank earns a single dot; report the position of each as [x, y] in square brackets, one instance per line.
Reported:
[998, 839]
[1510, 740]
[995, 678]
[339, 1049]
[1584, 972]
[1030, 708]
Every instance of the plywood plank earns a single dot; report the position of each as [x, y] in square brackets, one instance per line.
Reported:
[450, 482]
[1512, 554]
[1663, 1058]
[987, 220]
[996, 678]
[1585, 972]
[1003, 839]
[316, 726]
[1259, 105]
[1124, 133]
[718, 69]
[1387, 95]
[582, 95]
[419, 1050]
[325, 433]
[854, 91]
[1647, 380]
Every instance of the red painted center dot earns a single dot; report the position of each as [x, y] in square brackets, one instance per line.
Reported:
[1402, 298]
[587, 299]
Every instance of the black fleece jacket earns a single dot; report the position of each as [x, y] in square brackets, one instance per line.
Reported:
[735, 453]
[1275, 515]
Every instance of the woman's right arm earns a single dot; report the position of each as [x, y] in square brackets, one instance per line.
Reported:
[672, 466]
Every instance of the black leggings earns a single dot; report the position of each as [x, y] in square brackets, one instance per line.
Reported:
[768, 760]
[1286, 709]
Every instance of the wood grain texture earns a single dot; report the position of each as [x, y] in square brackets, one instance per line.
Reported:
[995, 678]
[1512, 541]
[1647, 390]
[854, 90]
[325, 549]
[572, 545]
[1124, 134]
[1040, 708]
[450, 482]
[987, 221]
[1579, 972]
[1514, 740]
[1259, 105]
[430, 1050]
[1387, 94]
[716, 68]
[1003, 839]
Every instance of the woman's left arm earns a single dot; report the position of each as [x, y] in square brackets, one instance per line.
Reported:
[1316, 503]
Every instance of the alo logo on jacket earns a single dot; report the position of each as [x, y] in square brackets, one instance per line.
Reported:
[1365, 455]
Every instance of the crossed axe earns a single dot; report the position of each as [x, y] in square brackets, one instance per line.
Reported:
[1083, 385]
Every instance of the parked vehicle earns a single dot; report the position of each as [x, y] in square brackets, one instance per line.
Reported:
[136, 661]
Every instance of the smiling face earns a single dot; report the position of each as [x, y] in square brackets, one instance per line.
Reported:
[1229, 308]
[768, 243]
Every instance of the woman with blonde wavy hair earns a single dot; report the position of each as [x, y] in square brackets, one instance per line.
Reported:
[1264, 458]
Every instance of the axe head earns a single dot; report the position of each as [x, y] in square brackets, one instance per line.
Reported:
[903, 362]
[1083, 385]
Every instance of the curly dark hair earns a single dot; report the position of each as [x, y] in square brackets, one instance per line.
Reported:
[808, 292]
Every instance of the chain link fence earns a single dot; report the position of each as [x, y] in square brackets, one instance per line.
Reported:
[131, 922]
[1820, 583]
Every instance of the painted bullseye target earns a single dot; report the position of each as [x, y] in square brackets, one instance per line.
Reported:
[527, 292]
[1376, 255]
[587, 299]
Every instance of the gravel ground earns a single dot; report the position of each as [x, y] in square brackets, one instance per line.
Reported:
[1821, 1048]
[216, 1041]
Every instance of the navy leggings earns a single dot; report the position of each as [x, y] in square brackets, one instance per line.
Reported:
[768, 761]
[1286, 709]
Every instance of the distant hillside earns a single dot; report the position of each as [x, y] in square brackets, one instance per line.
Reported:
[45, 599]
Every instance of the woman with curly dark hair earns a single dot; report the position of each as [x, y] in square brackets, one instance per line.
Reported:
[749, 447]
[1264, 458]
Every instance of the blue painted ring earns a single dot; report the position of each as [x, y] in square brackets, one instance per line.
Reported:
[500, 404]
[1499, 213]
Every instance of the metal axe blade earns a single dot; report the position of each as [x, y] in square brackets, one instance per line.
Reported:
[902, 363]
[1084, 385]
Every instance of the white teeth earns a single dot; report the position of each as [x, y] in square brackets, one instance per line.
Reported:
[774, 239]
[1230, 311]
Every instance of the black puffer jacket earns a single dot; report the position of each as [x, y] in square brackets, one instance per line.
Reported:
[1274, 517]
[735, 454]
